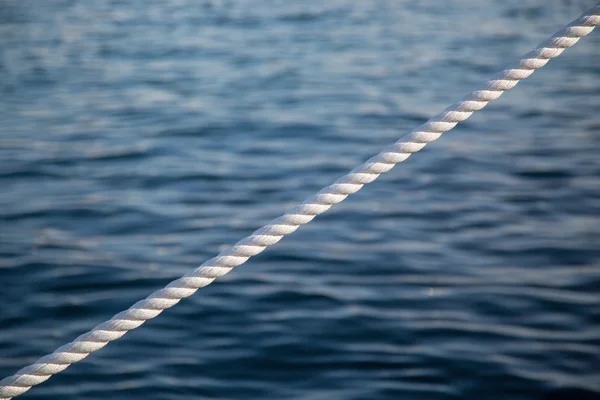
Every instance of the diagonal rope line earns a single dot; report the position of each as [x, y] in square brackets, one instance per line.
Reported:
[271, 233]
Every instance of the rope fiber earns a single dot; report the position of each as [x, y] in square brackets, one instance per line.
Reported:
[270, 234]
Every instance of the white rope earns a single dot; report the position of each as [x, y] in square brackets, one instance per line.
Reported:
[270, 234]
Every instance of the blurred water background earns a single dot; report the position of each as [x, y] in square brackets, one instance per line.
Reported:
[138, 138]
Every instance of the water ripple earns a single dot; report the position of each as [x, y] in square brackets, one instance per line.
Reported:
[140, 138]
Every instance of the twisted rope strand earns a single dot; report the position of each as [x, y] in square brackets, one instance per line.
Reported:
[270, 234]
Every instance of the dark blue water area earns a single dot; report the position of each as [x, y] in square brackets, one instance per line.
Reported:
[140, 138]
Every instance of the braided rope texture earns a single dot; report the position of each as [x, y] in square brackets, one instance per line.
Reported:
[270, 234]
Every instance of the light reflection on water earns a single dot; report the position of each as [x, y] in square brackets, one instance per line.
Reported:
[138, 139]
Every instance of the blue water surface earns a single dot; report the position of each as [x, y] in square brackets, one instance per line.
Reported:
[140, 138]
